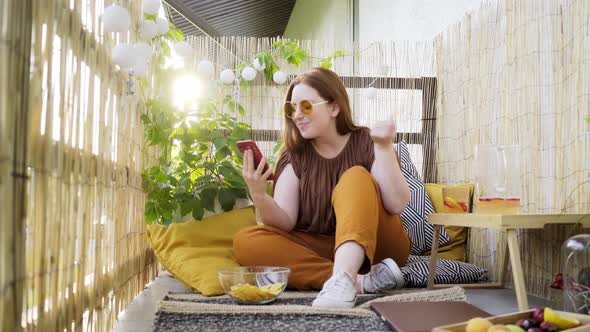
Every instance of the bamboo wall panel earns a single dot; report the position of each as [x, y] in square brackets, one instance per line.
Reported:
[517, 72]
[85, 254]
[15, 39]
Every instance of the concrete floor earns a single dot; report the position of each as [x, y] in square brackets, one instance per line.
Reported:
[139, 315]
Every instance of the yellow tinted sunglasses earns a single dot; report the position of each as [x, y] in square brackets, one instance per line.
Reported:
[305, 106]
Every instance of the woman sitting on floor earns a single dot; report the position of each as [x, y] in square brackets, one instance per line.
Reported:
[338, 194]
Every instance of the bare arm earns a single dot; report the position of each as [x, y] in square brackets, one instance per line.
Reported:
[281, 211]
[395, 192]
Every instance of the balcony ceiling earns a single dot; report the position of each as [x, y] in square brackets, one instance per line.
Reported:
[254, 18]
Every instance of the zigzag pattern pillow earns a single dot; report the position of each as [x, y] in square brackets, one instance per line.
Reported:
[447, 272]
[415, 215]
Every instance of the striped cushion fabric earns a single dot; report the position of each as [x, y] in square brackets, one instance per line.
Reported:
[415, 215]
[447, 272]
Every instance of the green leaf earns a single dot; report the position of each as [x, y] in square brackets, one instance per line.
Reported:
[229, 172]
[202, 179]
[186, 207]
[197, 209]
[232, 107]
[241, 110]
[150, 17]
[150, 212]
[208, 198]
[240, 192]
[326, 63]
[338, 53]
[220, 142]
[167, 214]
[174, 34]
[227, 99]
[240, 133]
[222, 153]
[145, 119]
[212, 125]
[588, 119]
[227, 199]
[277, 146]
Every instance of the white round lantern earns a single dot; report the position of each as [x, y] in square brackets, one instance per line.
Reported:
[151, 7]
[116, 19]
[257, 65]
[140, 68]
[183, 49]
[227, 76]
[205, 68]
[149, 30]
[124, 55]
[142, 50]
[371, 93]
[162, 24]
[279, 77]
[249, 74]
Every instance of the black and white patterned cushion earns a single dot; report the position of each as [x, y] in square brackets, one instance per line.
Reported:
[415, 215]
[447, 272]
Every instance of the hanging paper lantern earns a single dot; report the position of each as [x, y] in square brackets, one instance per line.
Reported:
[205, 68]
[140, 68]
[149, 30]
[162, 24]
[116, 19]
[142, 50]
[279, 77]
[183, 49]
[257, 65]
[249, 73]
[123, 55]
[227, 76]
[151, 7]
[371, 93]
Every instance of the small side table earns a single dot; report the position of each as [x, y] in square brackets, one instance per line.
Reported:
[506, 222]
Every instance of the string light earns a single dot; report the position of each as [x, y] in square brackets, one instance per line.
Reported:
[116, 19]
[162, 25]
[149, 30]
[151, 7]
[249, 74]
[227, 76]
[279, 77]
[257, 65]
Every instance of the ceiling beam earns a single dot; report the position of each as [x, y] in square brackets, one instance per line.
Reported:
[193, 17]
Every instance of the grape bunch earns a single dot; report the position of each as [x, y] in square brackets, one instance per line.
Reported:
[536, 322]
[539, 320]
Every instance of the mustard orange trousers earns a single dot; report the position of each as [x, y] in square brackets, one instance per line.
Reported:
[360, 217]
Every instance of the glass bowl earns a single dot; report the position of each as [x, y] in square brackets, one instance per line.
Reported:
[254, 284]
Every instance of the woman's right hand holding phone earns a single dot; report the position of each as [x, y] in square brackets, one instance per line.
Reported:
[255, 179]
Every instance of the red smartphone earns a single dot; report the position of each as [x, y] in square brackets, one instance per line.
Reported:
[251, 145]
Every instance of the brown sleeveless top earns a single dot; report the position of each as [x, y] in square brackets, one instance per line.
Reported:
[318, 176]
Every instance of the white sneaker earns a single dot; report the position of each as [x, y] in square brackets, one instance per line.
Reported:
[338, 292]
[383, 276]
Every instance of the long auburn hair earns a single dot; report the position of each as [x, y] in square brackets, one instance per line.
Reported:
[329, 86]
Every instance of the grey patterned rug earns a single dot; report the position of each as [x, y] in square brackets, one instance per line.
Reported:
[290, 312]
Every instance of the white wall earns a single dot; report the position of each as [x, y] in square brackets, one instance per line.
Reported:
[320, 20]
[409, 19]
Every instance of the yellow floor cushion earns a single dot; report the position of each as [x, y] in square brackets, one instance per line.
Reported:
[455, 248]
[193, 251]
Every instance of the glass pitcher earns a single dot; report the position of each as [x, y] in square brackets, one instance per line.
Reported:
[497, 176]
[575, 254]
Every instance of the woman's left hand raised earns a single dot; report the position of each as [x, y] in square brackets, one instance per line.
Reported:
[383, 132]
